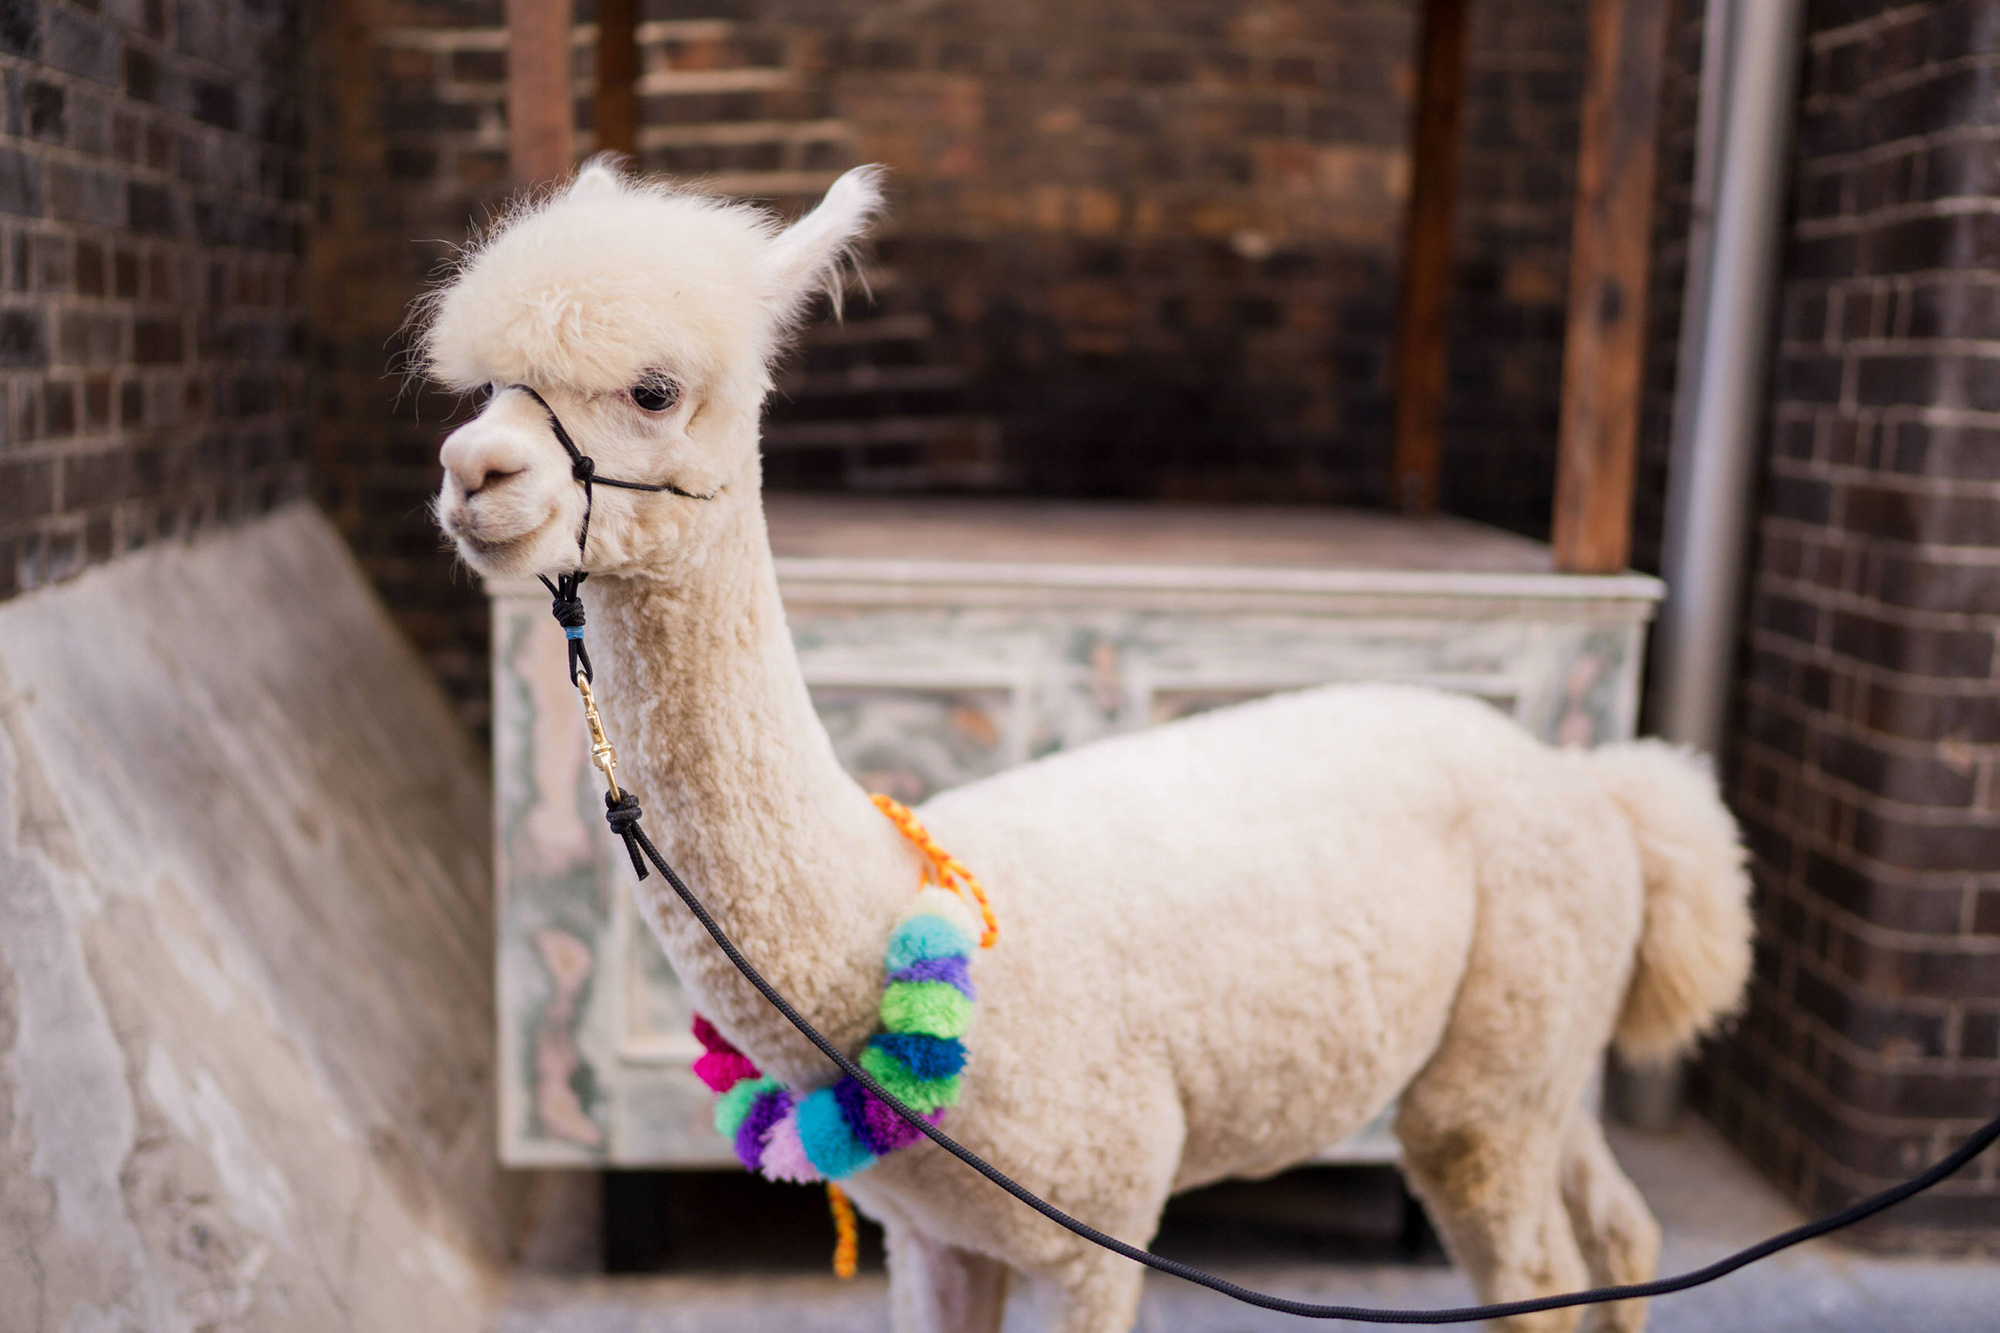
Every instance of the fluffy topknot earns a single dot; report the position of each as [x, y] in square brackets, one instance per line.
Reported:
[592, 287]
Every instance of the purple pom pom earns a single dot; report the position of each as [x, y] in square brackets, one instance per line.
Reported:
[878, 1127]
[890, 1129]
[765, 1112]
[953, 971]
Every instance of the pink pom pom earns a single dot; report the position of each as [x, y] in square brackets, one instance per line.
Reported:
[785, 1154]
[723, 1070]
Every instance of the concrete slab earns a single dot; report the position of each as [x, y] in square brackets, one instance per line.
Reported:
[246, 1036]
[1708, 1199]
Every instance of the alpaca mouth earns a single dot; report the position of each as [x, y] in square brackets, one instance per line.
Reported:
[468, 533]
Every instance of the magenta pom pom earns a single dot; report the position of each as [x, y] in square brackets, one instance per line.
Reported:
[711, 1040]
[723, 1070]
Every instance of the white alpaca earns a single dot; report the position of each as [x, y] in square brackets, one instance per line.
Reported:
[1225, 943]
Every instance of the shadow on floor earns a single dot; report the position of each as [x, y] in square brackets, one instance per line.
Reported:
[756, 1254]
[724, 1222]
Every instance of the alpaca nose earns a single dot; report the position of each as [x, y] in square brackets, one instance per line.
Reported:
[479, 455]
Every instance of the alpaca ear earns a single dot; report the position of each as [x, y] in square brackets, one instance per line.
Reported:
[599, 177]
[808, 256]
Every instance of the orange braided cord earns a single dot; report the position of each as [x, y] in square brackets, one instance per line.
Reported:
[847, 1235]
[944, 869]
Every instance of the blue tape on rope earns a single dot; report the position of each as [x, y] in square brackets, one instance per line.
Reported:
[572, 631]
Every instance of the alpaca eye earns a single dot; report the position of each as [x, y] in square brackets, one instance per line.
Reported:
[656, 395]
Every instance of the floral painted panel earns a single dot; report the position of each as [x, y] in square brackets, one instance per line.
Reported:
[554, 909]
[913, 741]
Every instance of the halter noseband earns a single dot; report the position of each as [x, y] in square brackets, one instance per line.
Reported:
[568, 605]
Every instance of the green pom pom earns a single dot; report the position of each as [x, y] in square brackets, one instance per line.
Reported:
[732, 1106]
[935, 1008]
[919, 1094]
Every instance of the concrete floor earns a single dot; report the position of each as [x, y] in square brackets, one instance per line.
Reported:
[1707, 1198]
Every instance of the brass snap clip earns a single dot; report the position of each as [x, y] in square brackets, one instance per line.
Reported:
[602, 756]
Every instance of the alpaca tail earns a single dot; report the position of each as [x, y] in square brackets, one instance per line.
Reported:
[1694, 954]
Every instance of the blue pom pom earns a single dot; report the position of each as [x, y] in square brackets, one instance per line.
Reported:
[831, 1146]
[926, 1056]
[926, 936]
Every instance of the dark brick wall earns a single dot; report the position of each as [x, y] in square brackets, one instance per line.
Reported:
[1673, 212]
[1138, 249]
[152, 221]
[1517, 189]
[1870, 712]
[408, 152]
[1141, 249]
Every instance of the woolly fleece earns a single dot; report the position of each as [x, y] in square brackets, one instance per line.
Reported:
[1226, 942]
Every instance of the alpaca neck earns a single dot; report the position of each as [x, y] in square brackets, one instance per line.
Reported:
[744, 796]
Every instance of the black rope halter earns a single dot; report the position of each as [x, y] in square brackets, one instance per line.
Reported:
[568, 604]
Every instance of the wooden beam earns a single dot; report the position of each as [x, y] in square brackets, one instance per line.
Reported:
[1610, 253]
[541, 135]
[617, 76]
[1425, 286]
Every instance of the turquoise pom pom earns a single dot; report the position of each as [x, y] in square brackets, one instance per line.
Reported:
[926, 936]
[830, 1145]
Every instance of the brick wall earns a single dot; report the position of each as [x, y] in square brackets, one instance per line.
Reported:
[1517, 189]
[1870, 722]
[152, 222]
[1141, 250]
[1673, 214]
[1137, 250]
[409, 151]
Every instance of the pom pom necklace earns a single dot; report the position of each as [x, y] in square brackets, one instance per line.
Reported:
[918, 1057]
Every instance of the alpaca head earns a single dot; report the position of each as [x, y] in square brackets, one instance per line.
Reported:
[648, 319]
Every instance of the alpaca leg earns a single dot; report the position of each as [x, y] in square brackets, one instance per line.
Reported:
[939, 1288]
[1614, 1228]
[1497, 1201]
[1098, 1293]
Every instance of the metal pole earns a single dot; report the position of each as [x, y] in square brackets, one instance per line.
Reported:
[1749, 65]
[1719, 404]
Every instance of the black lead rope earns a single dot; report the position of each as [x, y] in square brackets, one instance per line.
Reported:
[623, 814]
[1463, 1314]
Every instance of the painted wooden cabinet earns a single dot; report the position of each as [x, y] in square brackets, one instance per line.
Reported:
[944, 641]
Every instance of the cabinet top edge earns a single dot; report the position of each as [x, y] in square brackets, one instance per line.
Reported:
[809, 574]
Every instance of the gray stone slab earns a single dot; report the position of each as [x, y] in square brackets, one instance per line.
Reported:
[245, 955]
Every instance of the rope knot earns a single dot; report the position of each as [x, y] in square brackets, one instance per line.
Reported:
[567, 608]
[566, 605]
[623, 816]
[584, 469]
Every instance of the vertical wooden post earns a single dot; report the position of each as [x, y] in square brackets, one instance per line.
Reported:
[617, 76]
[1610, 252]
[541, 137]
[1426, 277]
